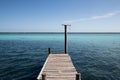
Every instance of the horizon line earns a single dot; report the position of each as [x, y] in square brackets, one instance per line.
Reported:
[56, 32]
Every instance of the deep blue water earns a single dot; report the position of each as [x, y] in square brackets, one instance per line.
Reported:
[95, 56]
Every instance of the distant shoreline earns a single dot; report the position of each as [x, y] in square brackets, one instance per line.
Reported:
[59, 32]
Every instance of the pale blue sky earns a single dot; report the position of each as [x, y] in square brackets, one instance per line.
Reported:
[48, 15]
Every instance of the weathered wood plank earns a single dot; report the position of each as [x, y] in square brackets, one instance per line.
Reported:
[58, 67]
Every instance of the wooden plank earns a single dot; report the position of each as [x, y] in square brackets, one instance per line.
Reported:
[58, 67]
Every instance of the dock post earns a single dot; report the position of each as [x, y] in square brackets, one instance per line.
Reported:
[65, 38]
[49, 51]
[77, 76]
[66, 45]
[43, 76]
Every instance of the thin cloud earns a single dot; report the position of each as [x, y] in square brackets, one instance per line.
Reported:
[94, 17]
[106, 15]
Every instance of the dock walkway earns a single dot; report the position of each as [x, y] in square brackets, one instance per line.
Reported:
[58, 67]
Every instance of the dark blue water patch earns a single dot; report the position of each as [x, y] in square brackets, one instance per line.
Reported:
[102, 67]
[21, 61]
[21, 68]
[95, 56]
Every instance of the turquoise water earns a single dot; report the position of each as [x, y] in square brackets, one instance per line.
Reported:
[95, 56]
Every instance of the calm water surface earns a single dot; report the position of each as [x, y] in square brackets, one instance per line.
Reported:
[95, 56]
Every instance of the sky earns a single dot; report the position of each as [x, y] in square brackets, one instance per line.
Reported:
[49, 15]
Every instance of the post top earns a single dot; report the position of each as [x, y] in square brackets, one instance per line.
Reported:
[66, 24]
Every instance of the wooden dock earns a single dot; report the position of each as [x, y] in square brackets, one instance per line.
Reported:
[58, 67]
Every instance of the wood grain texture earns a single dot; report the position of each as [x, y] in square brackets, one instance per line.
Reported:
[59, 67]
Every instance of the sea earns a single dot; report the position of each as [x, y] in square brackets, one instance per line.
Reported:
[95, 56]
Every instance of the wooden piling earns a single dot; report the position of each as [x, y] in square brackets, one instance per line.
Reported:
[49, 51]
[77, 76]
[43, 76]
[65, 26]
[65, 41]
